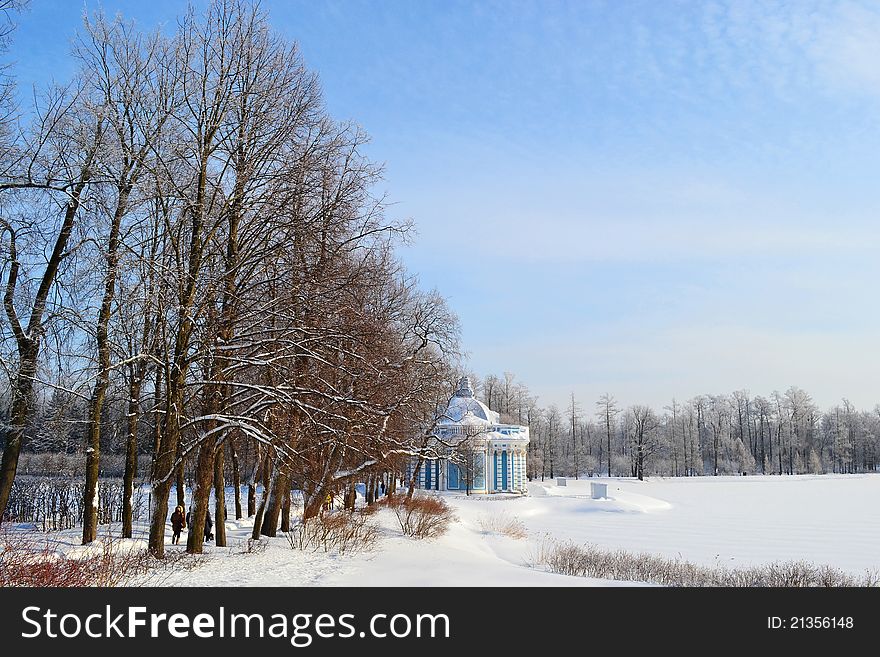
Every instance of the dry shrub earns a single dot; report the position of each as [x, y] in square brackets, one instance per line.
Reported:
[593, 561]
[370, 509]
[425, 516]
[251, 546]
[55, 503]
[25, 561]
[335, 530]
[25, 564]
[505, 524]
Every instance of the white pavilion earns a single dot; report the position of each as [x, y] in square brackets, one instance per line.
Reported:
[483, 455]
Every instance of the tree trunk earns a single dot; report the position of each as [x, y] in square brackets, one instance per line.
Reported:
[415, 473]
[714, 451]
[259, 467]
[164, 463]
[131, 452]
[204, 479]
[160, 418]
[236, 479]
[18, 421]
[609, 451]
[640, 461]
[279, 487]
[219, 497]
[252, 499]
[161, 489]
[763, 462]
[312, 505]
[368, 490]
[411, 487]
[93, 467]
[102, 382]
[179, 483]
[779, 448]
[285, 512]
[260, 512]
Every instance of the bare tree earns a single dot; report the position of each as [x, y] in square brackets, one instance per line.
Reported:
[643, 429]
[208, 57]
[573, 416]
[607, 411]
[469, 457]
[64, 143]
[128, 77]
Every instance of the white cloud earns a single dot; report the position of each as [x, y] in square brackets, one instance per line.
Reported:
[846, 48]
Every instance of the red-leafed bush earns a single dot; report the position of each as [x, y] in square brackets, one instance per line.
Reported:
[423, 516]
[26, 560]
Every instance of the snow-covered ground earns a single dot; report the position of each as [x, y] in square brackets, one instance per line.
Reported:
[732, 521]
[826, 519]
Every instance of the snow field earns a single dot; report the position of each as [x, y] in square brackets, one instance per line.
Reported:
[730, 521]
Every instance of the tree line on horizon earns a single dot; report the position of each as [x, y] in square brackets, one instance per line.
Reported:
[737, 433]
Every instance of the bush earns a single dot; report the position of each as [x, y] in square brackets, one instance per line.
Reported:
[62, 464]
[251, 546]
[27, 561]
[56, 503]
[335, 530]
[592, 561]
[25, 564]
[504, 524]
[424, 516]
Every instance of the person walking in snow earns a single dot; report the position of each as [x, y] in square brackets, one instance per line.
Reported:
[178, 522]
[209, 525]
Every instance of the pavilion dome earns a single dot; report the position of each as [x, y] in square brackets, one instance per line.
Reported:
[465, 409]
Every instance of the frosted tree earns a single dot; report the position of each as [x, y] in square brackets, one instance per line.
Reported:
[128, 83]
[62, 143]
[573, 411]
[607, 411]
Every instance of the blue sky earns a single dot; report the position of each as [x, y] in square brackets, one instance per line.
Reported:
[654, 199]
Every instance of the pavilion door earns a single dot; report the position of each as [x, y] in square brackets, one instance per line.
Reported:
[428, 474]
[452, 481]
[503, 470]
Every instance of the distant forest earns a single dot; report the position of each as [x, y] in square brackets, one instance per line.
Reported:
[783, 433]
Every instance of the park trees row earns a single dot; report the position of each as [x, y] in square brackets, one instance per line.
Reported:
[194, 257]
